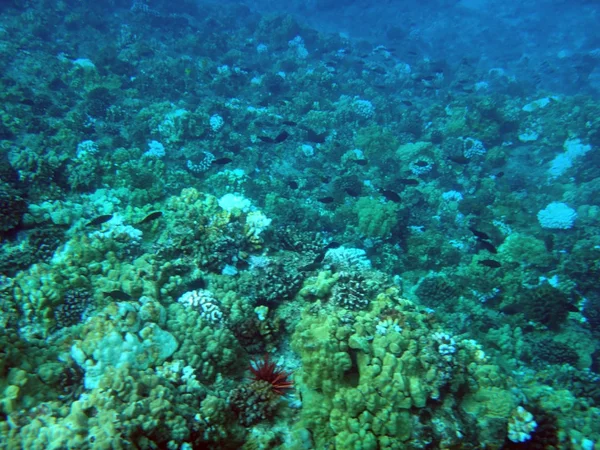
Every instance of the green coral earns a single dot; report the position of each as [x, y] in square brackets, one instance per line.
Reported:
[376, 219]
[376, 142]
[364, 375]
[525, 250]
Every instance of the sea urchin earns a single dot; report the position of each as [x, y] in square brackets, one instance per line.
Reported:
[265, 370]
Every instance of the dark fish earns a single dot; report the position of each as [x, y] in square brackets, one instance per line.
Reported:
[549, 242]
[289, 123]
[408, 181]
[352, 192]
[320, 257]
[421, 163]
[100, 220]
[390, 195]
[118, 295]
[411, 53]
[459, 159]
[406, 102]
[489, 263]
[267, 139]
[511, 309]
[333, 244]
[379, 70]
[317, 261]
[198, 283]
[325, 200]
[293, 184]
[281, 137]
[361, 162]
[150, 217]
[479, 234]
[222, 161]
[309, 267]
[313, 136]
[499, 174]
[487, 246]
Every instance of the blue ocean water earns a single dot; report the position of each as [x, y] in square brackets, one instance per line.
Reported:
[302, 225]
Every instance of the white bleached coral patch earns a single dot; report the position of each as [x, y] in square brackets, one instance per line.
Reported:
[205, 303]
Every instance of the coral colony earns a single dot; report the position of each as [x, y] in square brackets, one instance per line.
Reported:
[291, 225]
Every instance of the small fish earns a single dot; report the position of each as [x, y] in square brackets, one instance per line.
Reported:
[361, 162]
[333, 244]
[267, 139]
[421, 163]
[198, 283]
[489, 263]
[313, 136]
[407, 102]
[549, 242]
[379, 70]
[325, 200]
[222, 161]
[150, 217]
[118, 295]
[487, 246]
[352, 192]
[281, 137]
[293, 184]
[499, 175]
[479, 234]
[320, 257]
[309, 267]
[100, 220]
[289, 123]
[427, 78]
[390, 195]
[408, 181]
[511, 309]
[459, 159]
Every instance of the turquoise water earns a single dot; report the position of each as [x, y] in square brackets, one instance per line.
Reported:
[312, 225]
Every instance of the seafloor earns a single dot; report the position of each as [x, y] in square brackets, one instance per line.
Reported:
[230, 231]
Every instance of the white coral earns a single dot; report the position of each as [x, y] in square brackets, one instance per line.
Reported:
[347, 258]
[557, 215]
[520, 425]
[206, 304]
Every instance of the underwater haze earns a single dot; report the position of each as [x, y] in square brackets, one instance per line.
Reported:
[349, 225]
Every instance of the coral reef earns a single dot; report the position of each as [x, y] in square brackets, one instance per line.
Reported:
[404, 244]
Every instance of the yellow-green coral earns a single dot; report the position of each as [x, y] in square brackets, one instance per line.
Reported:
[376, 219]
[363, 374]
